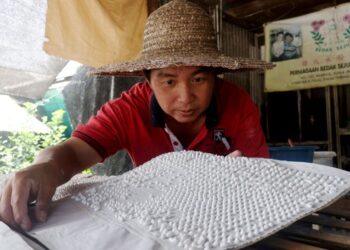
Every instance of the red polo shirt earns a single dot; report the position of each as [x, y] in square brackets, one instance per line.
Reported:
[135, 122]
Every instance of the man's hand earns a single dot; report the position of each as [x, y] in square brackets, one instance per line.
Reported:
[36, 183]
[235, 153]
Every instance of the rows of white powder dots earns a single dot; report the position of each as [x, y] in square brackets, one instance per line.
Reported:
[201, 201]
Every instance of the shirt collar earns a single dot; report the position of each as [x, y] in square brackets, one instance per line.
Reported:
[158, 116]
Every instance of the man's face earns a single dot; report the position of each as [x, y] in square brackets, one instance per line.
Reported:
[184, 93]
[289, 39]
[280, 37]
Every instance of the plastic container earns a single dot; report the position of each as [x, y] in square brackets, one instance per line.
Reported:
[324, 157]
[297, 153]
[52, 101]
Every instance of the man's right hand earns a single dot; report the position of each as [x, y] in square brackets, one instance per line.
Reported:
[36, 183]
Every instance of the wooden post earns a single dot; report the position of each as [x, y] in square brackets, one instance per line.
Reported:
[337, 125]
[299, 114]
[329, 117]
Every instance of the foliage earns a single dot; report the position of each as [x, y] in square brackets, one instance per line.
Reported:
[318, 38]
[19, 148]
[347, 33]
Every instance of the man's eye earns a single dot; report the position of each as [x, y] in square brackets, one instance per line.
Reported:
[169, 82]
[198, 79]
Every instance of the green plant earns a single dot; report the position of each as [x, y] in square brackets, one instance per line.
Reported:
[347, 33]
[19, 148]
[318, 38]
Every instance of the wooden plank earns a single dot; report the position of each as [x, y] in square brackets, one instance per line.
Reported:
[344, 131]
[336, 212]
[342, 204]
[327, 221]
[298, 237]
[328, 239]
[276, 242]
[340, 208]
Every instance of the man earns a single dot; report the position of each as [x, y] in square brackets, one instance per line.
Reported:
[290, 50]
[277, 48]
[181, 105]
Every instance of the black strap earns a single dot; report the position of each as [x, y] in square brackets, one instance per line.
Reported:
[32, 238]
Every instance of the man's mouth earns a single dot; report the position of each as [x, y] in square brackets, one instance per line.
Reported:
[187, 112]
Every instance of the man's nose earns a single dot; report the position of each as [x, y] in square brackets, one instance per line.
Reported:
[185, 93]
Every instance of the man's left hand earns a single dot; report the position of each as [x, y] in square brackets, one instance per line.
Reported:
[235, 153]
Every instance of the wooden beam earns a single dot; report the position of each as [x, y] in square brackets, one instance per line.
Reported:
[152, 5]
[327, 220]
[276, 242]
[336, 212]
[328, 239]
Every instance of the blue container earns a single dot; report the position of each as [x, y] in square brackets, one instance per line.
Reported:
[298, 153]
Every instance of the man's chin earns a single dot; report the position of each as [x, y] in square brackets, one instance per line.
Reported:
[185, 119]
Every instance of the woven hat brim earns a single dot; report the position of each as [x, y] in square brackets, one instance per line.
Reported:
[221, 62]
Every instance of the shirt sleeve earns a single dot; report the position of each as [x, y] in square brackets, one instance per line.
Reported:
[250, 138]
[114, 125]
[104, 131]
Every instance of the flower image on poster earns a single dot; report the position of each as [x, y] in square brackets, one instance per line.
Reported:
[286, 43]
[309, 51]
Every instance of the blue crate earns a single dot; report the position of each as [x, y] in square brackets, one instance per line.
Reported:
[297, 153]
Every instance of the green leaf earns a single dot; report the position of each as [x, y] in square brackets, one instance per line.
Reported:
[20, 149]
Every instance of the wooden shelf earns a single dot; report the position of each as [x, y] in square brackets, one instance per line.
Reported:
[324, 229]
[299, 143]
[344, 131]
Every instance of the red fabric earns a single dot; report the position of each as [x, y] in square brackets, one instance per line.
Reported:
[125, 123]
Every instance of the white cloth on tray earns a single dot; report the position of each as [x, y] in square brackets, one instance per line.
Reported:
[188, 200]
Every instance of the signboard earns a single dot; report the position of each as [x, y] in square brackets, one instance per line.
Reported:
[309, 51]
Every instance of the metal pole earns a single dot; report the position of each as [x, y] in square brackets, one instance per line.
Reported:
[299, 113]
[111, 91]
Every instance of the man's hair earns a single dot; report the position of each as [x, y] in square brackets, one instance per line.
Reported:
[147, 74]
[288, 34]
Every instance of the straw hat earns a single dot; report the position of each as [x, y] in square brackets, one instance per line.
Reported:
[180, 33]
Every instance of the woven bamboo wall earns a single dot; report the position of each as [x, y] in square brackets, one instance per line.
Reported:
[239, 42]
